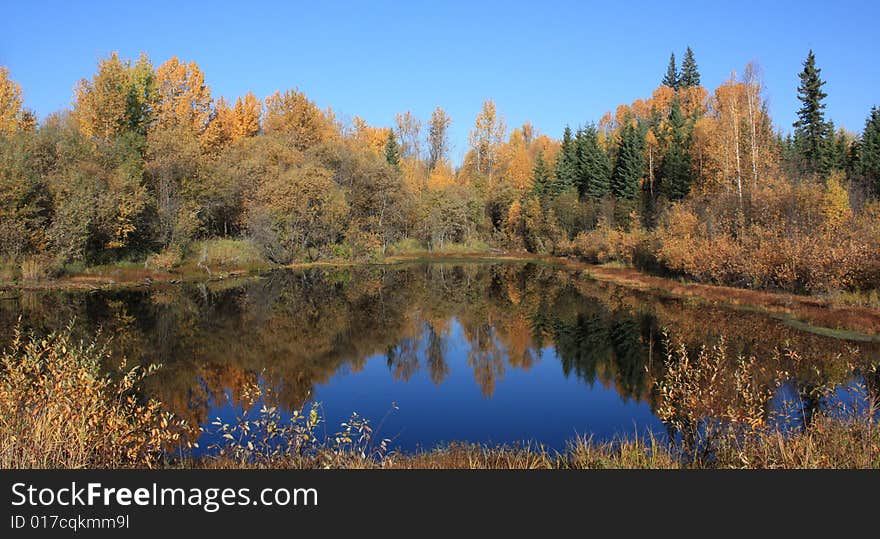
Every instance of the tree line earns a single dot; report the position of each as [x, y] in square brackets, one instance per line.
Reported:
[147, 164]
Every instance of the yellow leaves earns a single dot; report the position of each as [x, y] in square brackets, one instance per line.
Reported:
[835, 207]
[518, 162]
[247, 113]
[184, 99]
[441, 177]
[488, 132]
[294, 115]
[371, 138]
[12, 118]
[101, 104]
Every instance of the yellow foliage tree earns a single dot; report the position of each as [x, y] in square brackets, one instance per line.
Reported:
[486, 137]
[247, 116]
[221, 130]
[517, 162]
[371, 138]
[294, 115]
[119, 97]
[441, 176]
[835, 208]
[12, 117]
[183, 97]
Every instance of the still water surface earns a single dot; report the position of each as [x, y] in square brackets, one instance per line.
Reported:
[430, 353]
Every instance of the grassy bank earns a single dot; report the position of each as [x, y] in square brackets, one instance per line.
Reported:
[57, 410]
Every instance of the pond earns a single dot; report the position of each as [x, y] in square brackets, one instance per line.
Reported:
[430, 352]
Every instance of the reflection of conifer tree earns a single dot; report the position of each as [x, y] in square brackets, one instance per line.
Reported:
[585, 345]
[629, 354]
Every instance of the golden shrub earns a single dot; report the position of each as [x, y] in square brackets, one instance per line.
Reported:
[58, 411]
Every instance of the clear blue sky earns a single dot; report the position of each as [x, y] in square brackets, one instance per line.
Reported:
[550, 63]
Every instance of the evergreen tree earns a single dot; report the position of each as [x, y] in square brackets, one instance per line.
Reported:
[594, 178]
[630, 163]
[392, 150]
[676, 172]
[835, 153]
[542, 180]
[811, 128]
[566, 162]
[690, 75]
[671, 79]
[869, 153]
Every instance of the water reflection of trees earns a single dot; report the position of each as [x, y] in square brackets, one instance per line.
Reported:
[296, 329]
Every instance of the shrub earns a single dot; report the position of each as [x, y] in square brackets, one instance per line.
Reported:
[58, 411]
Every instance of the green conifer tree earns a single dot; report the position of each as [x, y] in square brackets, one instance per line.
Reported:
[690, 75]
[566, 162]
[869, 153]
[671, 79]
[542, 181]
[676, 172]
[595, 170]
[630, 164]
[811, 130]
[392, 150]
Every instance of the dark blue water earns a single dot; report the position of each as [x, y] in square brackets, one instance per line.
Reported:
[538, 405]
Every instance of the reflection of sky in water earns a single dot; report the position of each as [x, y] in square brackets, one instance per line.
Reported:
[791, 408]
[538, 404]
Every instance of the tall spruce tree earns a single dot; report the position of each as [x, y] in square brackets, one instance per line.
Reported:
[542, 181]
[594, 178]
[869, 153]
[671, 79]
[630, 163]
[810, 127]
[690, 75]
[566, 162]
[676, 172]
[392, 150]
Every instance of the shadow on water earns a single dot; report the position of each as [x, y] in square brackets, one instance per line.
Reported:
[478, 351]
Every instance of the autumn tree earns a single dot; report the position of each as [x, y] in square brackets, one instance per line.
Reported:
[183, 98]
[24, 201]
[120, 97]
[298, 213]
[486, 137]
[811, 128]
[12, 115]
[247, 113]
[438, 138]
[516, 161]
[409, 133]
[293, 115]
[173, 158]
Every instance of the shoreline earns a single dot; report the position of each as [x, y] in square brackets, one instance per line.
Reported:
[808, 313]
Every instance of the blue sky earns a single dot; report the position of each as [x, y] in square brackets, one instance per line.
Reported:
[550, 63]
